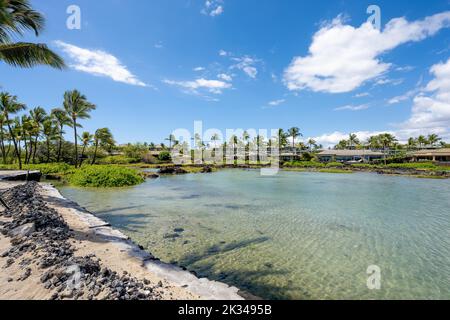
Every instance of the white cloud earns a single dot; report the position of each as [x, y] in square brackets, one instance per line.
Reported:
[405, 68]
[384, 81]
[159, 45]
[342, 57]
[406, 96]
[225, 77]
[247, 65]
[198, 69]
[213, 8]
[99, 63]
[212, 86]
[276, 102]
[353, 108]
[332, 139]
[362, 95]
[223, 53]
[431, 108]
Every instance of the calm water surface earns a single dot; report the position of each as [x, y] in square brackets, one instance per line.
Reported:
[293, 236]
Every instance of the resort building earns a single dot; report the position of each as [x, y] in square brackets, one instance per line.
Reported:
[439, 155]
[349, 155]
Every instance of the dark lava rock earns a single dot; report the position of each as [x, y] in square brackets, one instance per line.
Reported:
[42, 233]
[207, 169]
[172, 170]
[171, 236]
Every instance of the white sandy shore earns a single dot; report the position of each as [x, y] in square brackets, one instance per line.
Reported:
[115, 251]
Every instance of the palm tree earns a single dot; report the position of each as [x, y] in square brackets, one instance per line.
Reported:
[422, 141]
[234, 141]
[214, 138]
[16, 17]
[374, 143]
[282, 138]
[311, 143]
[433, 139]
[353, 141]
[27, 131]
[86, 139]
[171, 140]
[77, 107]
[10, 106]
[294, 133]
[63, 120]
[2, 137]
[386, 141]
[38, 116]
[50, 132]
[246, 139]
[412, 144]
[259, 141]
[102, 136]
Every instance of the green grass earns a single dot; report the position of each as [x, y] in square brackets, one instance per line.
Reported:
[304, 164]
[118, 160]
[105, 177]
[44, 168]
[334, 171]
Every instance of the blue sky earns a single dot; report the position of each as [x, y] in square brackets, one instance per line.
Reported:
[154, 66]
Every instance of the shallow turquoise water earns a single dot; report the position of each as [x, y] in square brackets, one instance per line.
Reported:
[295, 235]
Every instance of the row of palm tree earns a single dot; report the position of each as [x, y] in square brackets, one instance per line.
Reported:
[387, 140]
[283, 139]
[28, 129]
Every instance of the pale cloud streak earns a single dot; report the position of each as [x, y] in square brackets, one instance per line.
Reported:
[276, 102]
[247, 65]
[353, 108]
[342, 57]
[213, 8]
[99, 63]
[212, 86]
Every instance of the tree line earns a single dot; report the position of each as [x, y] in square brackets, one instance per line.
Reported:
[387, 141]
[38, 136]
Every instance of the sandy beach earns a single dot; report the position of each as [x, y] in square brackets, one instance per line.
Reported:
[23, 276]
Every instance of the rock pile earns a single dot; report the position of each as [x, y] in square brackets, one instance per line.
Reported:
[172, 170]
[40, 241]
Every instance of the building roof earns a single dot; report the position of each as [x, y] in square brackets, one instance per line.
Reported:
[349, 153]
[445, 152]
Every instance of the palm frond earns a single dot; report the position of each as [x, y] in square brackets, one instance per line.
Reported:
[28, 55]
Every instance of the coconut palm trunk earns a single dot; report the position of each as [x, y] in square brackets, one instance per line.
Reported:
[16, 147]
[2, 144]
[35, 148]
[60, 144]
[95, 152]
[76, 141]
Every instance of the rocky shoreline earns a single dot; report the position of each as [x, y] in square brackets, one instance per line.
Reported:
[411, 172]
[45, 257]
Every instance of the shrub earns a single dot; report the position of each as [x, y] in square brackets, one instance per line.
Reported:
[105, 177]
[335, 164]
[307, 156]
[119, 160]
[164, 156]
[45, 168]
[304, 164]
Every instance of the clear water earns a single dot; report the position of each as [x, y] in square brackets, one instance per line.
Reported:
[293, 236]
